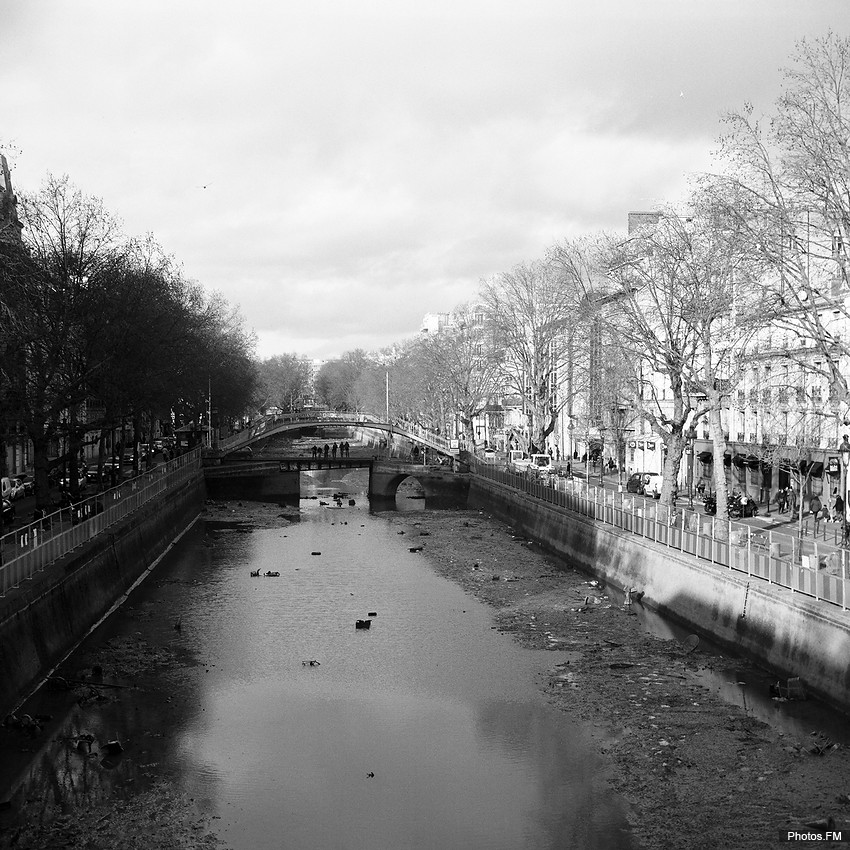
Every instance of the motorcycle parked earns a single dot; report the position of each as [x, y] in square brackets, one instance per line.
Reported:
[738, 510]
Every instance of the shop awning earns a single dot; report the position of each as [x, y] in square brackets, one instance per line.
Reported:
[817, 469]
[739, 460]
[706, 457]
[752, 461]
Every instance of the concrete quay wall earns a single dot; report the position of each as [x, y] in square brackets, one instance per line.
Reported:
[791, 634]
[44, 619]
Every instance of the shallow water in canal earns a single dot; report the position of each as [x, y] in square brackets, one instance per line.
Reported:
[443, 710]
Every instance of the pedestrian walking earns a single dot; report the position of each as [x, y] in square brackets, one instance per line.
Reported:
[838, 508]
[815, 507]
[792, 499]
[780, 500]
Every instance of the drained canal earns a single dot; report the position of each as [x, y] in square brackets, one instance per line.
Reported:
[426, 730]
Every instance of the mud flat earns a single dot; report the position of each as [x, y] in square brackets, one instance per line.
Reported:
[696, 771]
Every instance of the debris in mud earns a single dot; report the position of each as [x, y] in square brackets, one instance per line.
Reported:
[792, 690]
[641, 690]
[158, 817]
[690, 643]
[125, 658]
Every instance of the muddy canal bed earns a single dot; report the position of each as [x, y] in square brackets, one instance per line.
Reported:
[695, 770]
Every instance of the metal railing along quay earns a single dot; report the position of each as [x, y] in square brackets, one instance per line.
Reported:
[29, 549]
[811, 568]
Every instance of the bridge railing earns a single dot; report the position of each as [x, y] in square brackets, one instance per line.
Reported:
[810, 568]
[268, 423]
[29, 549]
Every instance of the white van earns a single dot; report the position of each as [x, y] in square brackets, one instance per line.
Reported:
[518, 461]
[542, 465]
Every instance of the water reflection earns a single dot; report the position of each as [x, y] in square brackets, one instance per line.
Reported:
[445, 712]
[749, 689]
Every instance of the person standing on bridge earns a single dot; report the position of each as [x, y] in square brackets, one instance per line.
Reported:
[326, 450]
[333, 450]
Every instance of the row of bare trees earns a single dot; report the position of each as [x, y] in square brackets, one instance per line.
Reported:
[103, 332]
[662, 326]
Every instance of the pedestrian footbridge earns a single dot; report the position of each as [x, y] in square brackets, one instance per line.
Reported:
[280, 423]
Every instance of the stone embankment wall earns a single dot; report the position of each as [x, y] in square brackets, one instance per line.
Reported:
[41, 621]
[791, 634]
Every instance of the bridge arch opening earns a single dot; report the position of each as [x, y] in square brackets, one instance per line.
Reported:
[410, 494]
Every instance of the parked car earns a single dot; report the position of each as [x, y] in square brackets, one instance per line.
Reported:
[82, 480]
[8, 512]
[108, 466]
[28, 483]
[645, 483]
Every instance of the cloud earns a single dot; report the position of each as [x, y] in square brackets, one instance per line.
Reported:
[339, 170]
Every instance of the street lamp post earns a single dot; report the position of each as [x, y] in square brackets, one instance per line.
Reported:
[844, 452]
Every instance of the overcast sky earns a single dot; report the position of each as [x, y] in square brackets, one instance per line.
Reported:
[339, 168]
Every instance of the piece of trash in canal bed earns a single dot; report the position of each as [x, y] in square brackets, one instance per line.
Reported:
[690, 643]
[792, 690]
[363, 624]
[416, 548]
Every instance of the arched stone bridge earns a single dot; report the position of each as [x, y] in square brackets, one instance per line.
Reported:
[282, 477]
[269, 425]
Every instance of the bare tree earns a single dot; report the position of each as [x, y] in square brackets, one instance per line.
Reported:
[686, 299]
[284, 381]
[790, 179]
[464, 359]
[537, 310]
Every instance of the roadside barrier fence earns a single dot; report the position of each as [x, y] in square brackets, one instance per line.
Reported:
[29, 549]
[809, 567]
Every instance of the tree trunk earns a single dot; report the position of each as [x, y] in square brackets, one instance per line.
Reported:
[74, 446]
[469, 431]
[721, 491]
[675, 445]
[40, 444]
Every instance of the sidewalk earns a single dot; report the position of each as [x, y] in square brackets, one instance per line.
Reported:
[781, 528]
